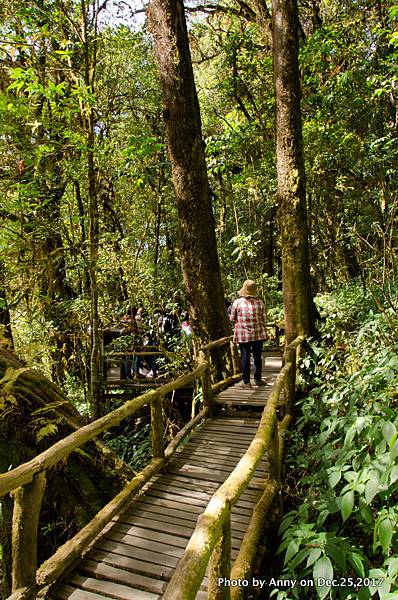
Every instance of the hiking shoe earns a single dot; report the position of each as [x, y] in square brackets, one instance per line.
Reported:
[260, 383]
[245, 385]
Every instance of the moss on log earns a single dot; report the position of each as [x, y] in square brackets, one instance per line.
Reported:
[77, 488]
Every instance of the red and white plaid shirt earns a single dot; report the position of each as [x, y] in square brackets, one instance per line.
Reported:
[250, 319]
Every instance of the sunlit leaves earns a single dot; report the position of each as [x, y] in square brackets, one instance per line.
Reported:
[351, 470]
[347, 504]
[323, 569]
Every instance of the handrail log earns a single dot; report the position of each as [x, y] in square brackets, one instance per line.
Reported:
[220, 385]
[178, 438]
[25, 519]
[228, 338]
[110, 355]
[52, 568]
[216, 343]
[243, 563]
[157, 427]
[290, 355]
[66, 554]
[192, 566]
[220, 563]
[25, 593]
[207, 392]
[50, 457]
[296, 342]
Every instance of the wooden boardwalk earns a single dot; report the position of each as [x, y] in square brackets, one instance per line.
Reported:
[136, 555]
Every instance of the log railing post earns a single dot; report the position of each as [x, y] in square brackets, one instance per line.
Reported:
[157, 425]
[275, 462]
[25, 521]
[290, 357]
[208, 396]
[229, 361]
[220, 563]
[235, 358]
[277, 336]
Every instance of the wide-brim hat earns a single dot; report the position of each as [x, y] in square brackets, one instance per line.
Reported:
[249, 288]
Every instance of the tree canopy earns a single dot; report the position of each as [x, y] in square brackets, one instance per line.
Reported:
[64, 63]
[96, 218]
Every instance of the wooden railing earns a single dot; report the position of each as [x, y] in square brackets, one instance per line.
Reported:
[27, 482]
[210, 544]
[118, 357]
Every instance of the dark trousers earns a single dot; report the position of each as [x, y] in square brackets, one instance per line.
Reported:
[246, 350]
[126, 367]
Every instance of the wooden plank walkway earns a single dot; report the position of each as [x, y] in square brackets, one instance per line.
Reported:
[255, 396]
[136, 555]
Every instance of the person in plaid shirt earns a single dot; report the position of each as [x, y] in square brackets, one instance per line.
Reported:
[248, 315]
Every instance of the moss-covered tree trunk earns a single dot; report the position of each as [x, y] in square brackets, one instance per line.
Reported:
[199, 258]
[89, 34]
[5, 320]
[34, 414]
[293, 225]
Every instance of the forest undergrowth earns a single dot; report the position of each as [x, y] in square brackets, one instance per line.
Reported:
[339, 534]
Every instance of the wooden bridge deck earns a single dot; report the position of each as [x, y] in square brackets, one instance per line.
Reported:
[136, 555]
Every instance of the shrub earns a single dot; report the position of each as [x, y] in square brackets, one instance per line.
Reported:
[344, 519]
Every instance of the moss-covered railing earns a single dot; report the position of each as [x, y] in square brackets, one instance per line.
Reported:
[210, 544]
[27, 482]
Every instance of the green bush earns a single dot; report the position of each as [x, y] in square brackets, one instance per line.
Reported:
[134, 448]
[343, 451]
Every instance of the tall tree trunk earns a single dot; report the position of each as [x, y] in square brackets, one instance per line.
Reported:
[89, 35]
[199, 257]
[5, 320]
[95, 356]
[293, 225]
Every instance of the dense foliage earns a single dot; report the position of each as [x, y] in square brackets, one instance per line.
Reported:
[342, 465]
[88, 227]
[55, 74]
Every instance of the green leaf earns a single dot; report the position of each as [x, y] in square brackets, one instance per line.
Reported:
[334, 478]
[394, 451]
[355, 560]
[392, 567]
[371, 489]
[299, 558]
[388, 431]
[49, 429]
[286, 522]
[394, 474]
[385, 534]
[347, 504]
[366, 512]
[349, 436]
[323, 515]
[292, 549]
[337, 555]
[314, 555]
[364, 593]
[323, 569]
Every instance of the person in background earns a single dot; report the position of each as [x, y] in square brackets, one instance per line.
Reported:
[248, 315]
[145, 365]
[228, 306]
[186, 330]
[130, 327]
[169, 327]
